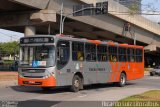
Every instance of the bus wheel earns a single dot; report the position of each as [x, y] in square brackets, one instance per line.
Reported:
[46, 88]
[76, 83]
[122, 80]
[152, 73]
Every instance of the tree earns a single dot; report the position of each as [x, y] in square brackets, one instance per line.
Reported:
[133, 9]
[9, 48]
[148, 9]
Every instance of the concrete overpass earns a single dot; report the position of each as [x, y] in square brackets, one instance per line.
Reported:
[35, 17]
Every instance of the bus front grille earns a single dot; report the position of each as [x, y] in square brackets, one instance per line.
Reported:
[33, 76]
[33, 71]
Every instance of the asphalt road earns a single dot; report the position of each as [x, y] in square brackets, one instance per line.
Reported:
[91, 96]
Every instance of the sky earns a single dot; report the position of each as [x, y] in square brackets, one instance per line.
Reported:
[7, 36]
[148, 6]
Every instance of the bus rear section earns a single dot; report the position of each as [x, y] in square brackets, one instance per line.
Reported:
[126, 62]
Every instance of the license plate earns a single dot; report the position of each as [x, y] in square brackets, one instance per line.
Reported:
[31, 82]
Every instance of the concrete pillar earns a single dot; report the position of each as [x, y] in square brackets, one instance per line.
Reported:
[30, 31]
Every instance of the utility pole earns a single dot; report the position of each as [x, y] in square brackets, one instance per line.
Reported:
[135, 38]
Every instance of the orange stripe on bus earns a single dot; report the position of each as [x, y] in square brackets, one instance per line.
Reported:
[48, 82]
[97, 42]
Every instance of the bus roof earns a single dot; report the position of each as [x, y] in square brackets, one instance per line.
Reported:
[97, 42]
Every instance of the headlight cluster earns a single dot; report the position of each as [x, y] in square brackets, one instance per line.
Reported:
[49, 75]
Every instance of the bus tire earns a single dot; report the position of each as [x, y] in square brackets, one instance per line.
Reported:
[122, 80]
[76, 83]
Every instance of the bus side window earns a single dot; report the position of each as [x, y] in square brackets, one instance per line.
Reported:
[122, 54]
[131, 55]
[90, 52]
[139, 55]
[77, 51]
[63, 53]
[112, 53]
[102, 53]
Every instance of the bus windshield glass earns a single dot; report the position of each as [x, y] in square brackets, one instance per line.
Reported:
[37, 56]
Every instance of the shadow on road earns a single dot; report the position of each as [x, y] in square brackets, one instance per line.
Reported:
[39, 90]
[37, 103]
[44, 103]
[94, 87]
[99, 87]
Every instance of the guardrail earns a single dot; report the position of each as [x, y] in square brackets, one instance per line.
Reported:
[5, 67]
[8, 68]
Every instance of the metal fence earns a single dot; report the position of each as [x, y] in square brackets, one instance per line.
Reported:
[5, 67]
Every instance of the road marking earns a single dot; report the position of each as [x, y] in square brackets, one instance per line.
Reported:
[55, 105]
[154, 78]
[82, 96]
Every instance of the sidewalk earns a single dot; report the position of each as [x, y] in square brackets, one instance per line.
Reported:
[8, 78]
[113, 95]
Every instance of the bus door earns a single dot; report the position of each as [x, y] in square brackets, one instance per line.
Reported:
[77, 57]
[63, 55]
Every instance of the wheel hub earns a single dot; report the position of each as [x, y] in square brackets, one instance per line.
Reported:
[123, 80]
[76, 83]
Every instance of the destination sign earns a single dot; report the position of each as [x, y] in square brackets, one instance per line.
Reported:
[37, 40]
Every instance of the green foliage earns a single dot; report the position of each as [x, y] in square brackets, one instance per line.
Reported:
[153, 95]
[8, 62]
[133, 9]
[9, 48]
[149, 96]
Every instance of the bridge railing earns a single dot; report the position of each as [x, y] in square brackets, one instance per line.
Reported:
[122, 12]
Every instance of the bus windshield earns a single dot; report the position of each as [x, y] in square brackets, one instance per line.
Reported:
[37, 56]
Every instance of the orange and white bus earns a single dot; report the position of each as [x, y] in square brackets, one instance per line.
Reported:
[50, 61]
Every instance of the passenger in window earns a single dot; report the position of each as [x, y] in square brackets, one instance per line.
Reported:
[104, 58]
[80, 56]
[114, 59]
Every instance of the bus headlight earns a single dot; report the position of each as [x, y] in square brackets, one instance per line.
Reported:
[20, 74]
[53, 74]
[49, 75]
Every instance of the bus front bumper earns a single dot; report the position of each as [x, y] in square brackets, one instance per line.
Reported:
[48, 82]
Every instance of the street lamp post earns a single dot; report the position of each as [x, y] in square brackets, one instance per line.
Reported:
[63, 18]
